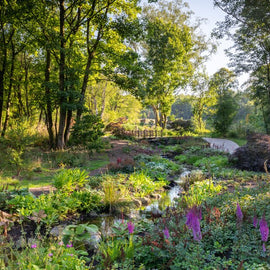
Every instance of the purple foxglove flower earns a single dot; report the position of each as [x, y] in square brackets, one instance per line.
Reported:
[239, 213]
[166, 233]
[131, 227]
[255, 221]
[193, 222]
[264, 230]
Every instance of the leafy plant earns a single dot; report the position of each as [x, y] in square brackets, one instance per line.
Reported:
[77, 234]
[69, 180]
[143, 185]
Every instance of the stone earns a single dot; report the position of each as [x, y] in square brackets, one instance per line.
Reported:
[145, 201]
[57, 231]
[155, 196]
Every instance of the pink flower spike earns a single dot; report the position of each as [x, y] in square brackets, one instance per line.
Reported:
[166, 233]
[131, 227]
[264, 230]
[33, 246]
[239, 213]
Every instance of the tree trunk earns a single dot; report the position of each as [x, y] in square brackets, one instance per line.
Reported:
[156, 112]
[55, 125]
[2, 74]
[91, 54]
[68, 122]
[21, 108]
[49, 120]
[103, 100]
[84, 86]
[63, 112]
[9, 91]
[26, 86]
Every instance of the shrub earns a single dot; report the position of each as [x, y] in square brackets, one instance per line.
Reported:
[88, 132]
[254, 155]
[181, 125]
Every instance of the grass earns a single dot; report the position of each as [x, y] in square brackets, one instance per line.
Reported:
[38, 174]
[240, 142]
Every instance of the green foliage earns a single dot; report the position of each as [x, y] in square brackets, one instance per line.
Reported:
[224, 83]
[225, 112]
[199, 192]
[56, 206]
[143, 185]
[88, 132]
[69, 180]
[76, 234]
[114, 194]
[43, 255]
[157, 167]
[89, 200]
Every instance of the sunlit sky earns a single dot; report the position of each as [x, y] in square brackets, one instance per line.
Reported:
[205, 9]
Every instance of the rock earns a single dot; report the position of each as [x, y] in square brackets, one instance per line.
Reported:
[155, 196]
[94, 240]
[155, 212]
[137, 203]
[254, 155]
[57, 230]
[145, 201]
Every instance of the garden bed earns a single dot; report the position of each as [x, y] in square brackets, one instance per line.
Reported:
[216, 222]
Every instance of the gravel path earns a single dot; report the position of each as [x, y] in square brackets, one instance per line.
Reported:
[222, 144]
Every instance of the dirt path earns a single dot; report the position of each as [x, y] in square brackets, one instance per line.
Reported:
[222, 144]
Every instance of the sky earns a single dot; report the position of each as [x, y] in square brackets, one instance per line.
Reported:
[205, 9]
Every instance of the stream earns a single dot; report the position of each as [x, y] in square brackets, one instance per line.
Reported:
[156, 207]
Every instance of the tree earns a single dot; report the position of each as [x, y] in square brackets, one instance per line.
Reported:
[223, 82]
[67, 45]
[171, 48]
[259, 92]
[250, 21]
[205, 97]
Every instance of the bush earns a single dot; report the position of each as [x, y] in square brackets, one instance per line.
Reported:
[88, 132]
[181, 125]
[254, 155]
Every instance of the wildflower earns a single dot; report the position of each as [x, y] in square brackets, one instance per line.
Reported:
[119, 160]
[264, 232]
[239, 213]
[50, 254]
[61, 243]
[71, 254]
[255, 221]
[69, 245]
[131, 227]
[166, 233]
[193, 222]
[33, 246]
